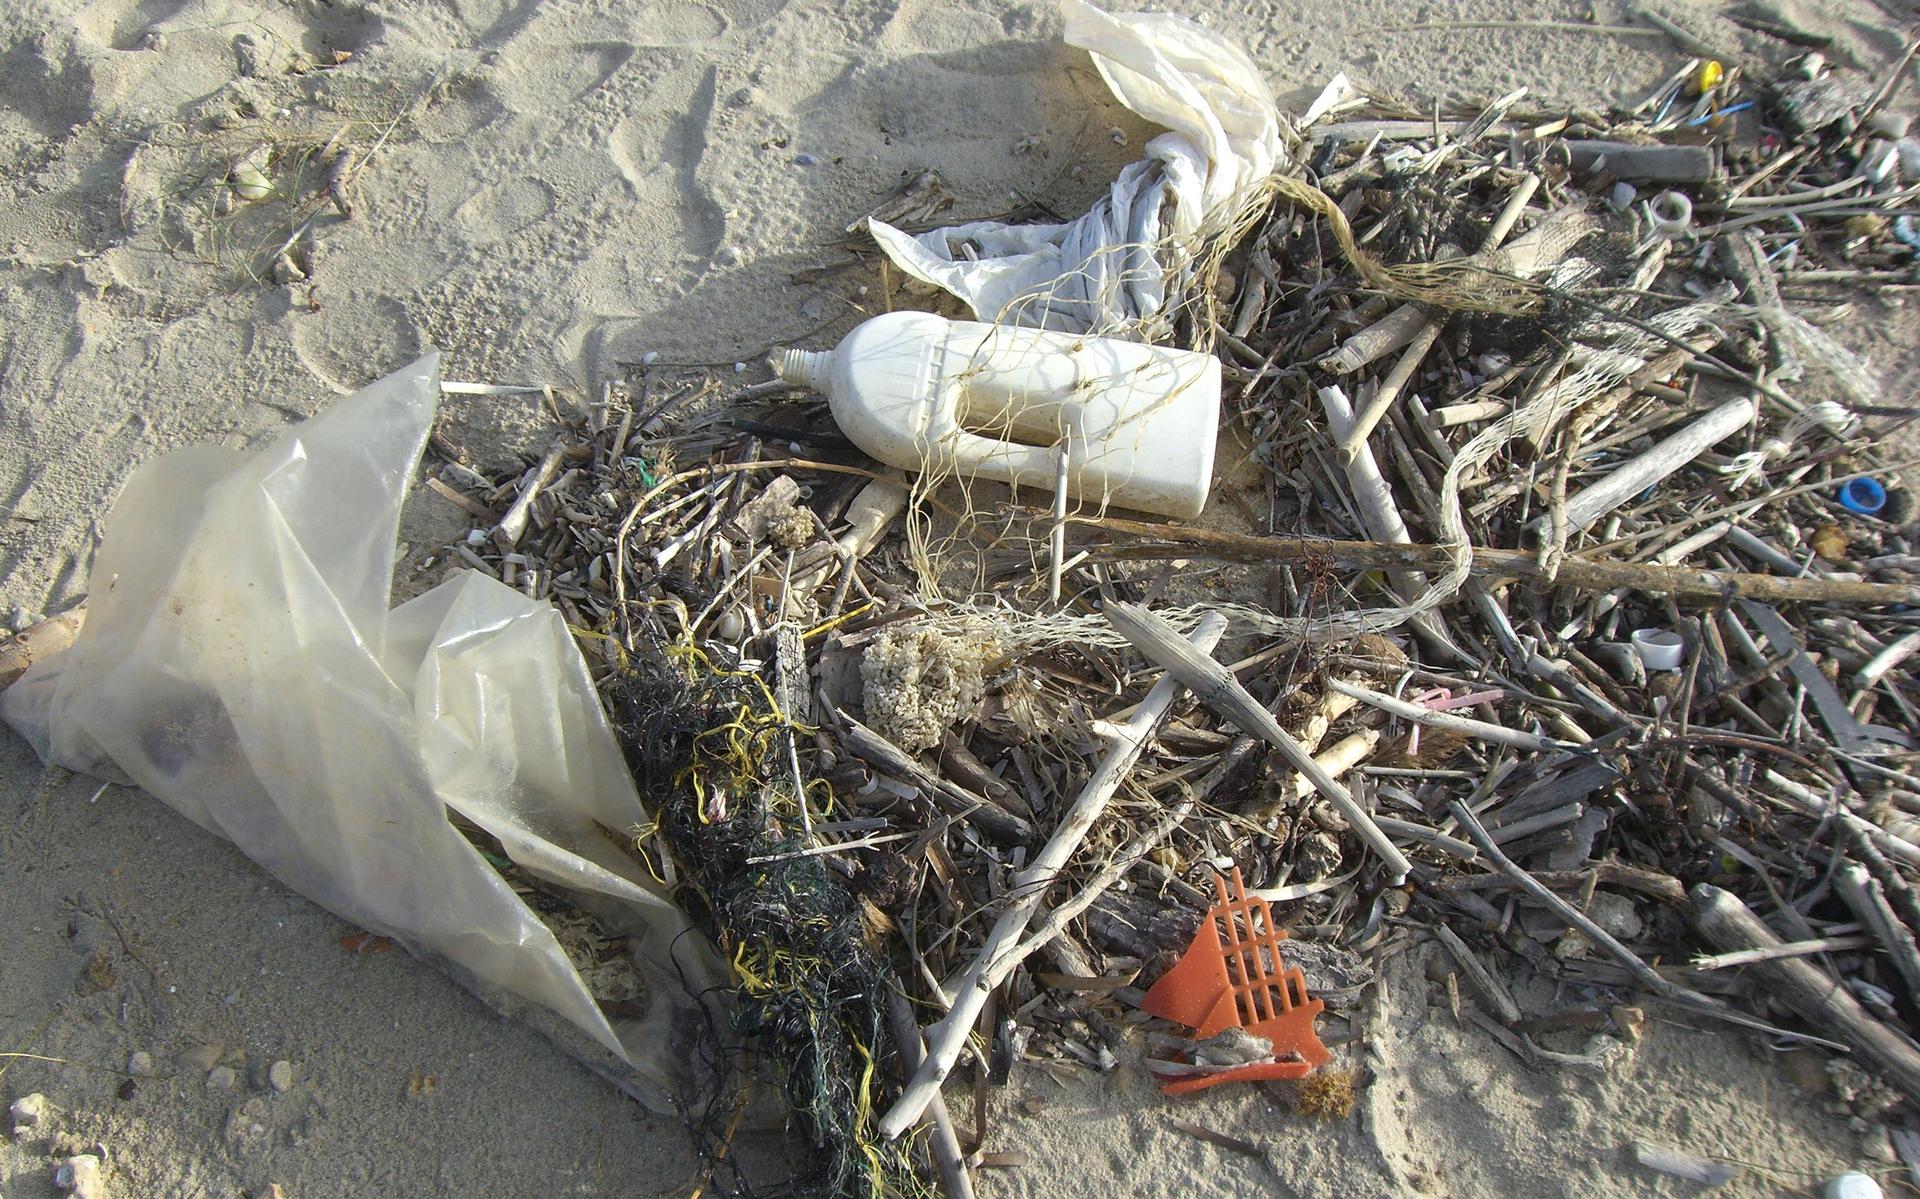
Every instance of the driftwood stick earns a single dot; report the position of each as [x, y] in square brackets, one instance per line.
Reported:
[513, 526]
[1787, 949]
[1407, 830]
[1056, 921]
[1337, 759]
[1497, 733]
[1379, 511]
[1652, 979]
[1215, 686]
[1586, 574]
[943, 1144]
[1729, 924]
[1479, 977]
[1651, 883]
[992, 819]
[949, 1036]
[1863, 896]
[1668, 456]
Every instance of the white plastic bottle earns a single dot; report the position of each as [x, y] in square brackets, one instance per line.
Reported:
[921, 392]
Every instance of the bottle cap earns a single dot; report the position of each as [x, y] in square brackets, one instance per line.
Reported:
[1659, 649]
[1863, 495]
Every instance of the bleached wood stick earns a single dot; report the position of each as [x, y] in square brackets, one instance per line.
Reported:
[1215, 686]
[1468, 413]
[1371, 493]
[942, 1142]
[513, 525]
[946, 1039]
[1640, 473]
[1342, 756]
[1057, 543]
[1864, 897]
[1533, 252]
[1391, 332]
[1789, 949]
[1498, 733]
[1731, 925]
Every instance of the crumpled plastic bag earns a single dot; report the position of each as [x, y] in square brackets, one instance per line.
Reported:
[239, 661]
[1111, 271]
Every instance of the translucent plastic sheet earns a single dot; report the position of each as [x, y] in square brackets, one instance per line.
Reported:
[240, 662]
[1111, 270]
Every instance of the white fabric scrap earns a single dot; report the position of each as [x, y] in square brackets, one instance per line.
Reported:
[1111, 271]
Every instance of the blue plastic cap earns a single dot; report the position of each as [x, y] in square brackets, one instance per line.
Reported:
[1863, 495]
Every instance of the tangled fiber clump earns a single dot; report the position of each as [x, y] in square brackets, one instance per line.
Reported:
[809, 996]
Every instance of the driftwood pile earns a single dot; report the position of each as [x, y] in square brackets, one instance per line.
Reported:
[1559, 628]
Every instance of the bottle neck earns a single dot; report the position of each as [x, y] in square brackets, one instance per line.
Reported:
[808, 368]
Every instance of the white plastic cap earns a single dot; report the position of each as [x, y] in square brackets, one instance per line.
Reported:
[1659, 649]
[1854, 1185]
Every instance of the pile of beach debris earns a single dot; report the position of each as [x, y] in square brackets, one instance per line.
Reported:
[1566, 616]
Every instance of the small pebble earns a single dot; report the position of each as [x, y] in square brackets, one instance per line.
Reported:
[30, 1114]
[650, 357]
[739, 368]
[140, 1063]
[1877, 1145]
[81, 1175]
[19, 619]
[804, 160]
[1889, 124]
[280, 1077]
[221, 1078]
[1907, 150]
[727, 256]
[201, 1058]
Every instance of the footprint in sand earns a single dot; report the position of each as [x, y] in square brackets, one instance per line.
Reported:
[350, 345]
[677, 23]
[505, 209]
[553, 77]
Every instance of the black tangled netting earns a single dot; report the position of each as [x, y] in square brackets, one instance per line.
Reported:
[810, 995]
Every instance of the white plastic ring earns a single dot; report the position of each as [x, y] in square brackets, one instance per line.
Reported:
[1671, 213]
[1659, 649]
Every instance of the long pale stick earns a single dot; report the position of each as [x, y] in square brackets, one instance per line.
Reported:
[1215, 686]
[946, 1039]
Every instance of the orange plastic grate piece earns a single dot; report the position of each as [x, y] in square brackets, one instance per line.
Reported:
[1232, 976]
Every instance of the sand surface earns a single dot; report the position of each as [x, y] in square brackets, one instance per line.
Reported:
[548, 192]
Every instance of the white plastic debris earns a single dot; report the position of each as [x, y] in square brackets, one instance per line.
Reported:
[1854, 1185]
[240, 662]
[1659, 649]
[1681, 1164]
[1136, 423]
[1120, 267]
[1671, 213]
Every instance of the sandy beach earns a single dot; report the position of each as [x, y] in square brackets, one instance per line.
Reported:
[554, 194]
